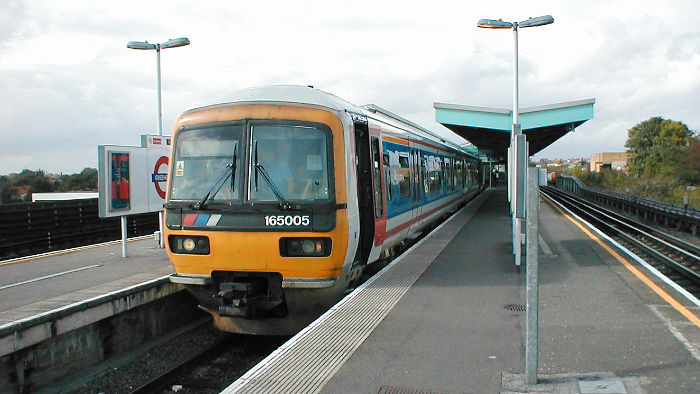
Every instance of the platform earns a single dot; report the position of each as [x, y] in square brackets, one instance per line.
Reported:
[35, 285]
[454, 327]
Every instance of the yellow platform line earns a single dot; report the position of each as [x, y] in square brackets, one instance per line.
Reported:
[636, 272]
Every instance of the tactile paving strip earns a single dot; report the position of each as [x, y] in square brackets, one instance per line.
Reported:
[309, 360]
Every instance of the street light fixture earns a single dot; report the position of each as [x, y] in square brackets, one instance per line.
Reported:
[501, 24]
[145, 45]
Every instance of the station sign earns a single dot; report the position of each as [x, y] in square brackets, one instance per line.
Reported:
[131, 179]
[155, 141]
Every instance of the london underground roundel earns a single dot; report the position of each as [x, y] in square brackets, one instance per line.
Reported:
[160, 175]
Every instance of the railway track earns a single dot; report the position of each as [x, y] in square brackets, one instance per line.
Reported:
[677, 259]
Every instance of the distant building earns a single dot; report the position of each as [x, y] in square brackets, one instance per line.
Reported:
[608, 160]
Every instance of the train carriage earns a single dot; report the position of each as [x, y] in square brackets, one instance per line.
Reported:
[279, 199]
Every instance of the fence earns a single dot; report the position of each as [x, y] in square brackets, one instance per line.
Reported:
[681, 218]
[30, 228]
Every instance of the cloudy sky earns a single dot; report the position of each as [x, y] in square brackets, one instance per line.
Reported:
[68, 83]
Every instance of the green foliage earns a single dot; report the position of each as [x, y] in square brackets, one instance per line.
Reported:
[689, 170]
[85, 180]
[41, 182]
[657, 146]
[663, 163]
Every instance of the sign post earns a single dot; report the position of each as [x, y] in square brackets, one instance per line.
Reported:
[532, 278]
[132, 180]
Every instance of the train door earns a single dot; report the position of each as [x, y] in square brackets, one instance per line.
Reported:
[380, 208]
[365, 195]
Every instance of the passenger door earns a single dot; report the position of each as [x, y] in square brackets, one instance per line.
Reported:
[365, 193]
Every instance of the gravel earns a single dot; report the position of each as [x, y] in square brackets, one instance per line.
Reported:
[234, 356]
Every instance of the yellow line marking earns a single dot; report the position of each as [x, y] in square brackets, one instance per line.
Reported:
[653, 286]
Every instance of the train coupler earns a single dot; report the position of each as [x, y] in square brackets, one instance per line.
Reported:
[252, 297]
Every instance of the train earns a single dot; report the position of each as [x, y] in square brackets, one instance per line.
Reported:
[280, 198]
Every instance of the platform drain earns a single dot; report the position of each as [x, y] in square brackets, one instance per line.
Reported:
[516, 308]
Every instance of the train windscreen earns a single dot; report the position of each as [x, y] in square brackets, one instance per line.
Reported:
[206, 161]
[289, 162]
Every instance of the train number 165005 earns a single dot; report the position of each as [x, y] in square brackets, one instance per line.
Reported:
[283, 220]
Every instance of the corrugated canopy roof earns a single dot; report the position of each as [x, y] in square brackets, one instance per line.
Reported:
[489, 128]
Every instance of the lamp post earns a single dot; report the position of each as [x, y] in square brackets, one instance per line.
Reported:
[145, 45]
[517, 181]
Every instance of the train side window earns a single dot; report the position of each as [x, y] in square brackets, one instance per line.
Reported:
[377, 178]
[404, 176]
[459, 169]
[443, 183]
[387, 177]
[448, 175]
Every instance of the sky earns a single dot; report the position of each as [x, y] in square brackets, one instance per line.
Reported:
[68, 83]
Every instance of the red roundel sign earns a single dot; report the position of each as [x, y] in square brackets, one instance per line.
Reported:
[160, 175]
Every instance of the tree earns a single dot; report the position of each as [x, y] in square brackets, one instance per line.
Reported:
[656, 146]
[86, 180]
[690, 163]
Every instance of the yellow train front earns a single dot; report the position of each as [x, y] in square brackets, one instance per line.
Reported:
[279, 199]
[258, 223]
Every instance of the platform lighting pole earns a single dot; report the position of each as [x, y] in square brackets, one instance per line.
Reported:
[145, 45]
[517, 169]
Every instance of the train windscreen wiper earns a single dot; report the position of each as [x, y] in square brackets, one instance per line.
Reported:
[216, 186]
[284, 205]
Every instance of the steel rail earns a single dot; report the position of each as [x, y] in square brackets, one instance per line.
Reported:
[621, 228]
[684, 246]
[164, 379]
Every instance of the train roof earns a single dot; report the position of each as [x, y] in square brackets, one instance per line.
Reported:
[286, 94]
[380, 114]
[309, 96]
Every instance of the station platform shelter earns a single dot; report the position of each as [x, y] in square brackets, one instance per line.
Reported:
[489, 129]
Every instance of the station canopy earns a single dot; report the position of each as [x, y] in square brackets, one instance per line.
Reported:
[489, 129]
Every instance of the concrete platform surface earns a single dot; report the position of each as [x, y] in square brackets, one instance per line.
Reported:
[458, 328]
[31, 286]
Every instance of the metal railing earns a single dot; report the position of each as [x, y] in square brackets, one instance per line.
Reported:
[668, 214]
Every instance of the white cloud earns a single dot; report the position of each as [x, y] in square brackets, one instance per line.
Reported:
[68, 82]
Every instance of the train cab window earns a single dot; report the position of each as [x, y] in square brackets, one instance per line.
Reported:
[206, 159]
[289, 162]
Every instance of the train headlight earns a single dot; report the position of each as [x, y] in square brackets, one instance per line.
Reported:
[308, 246]
[305, 247]
[187, 244]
